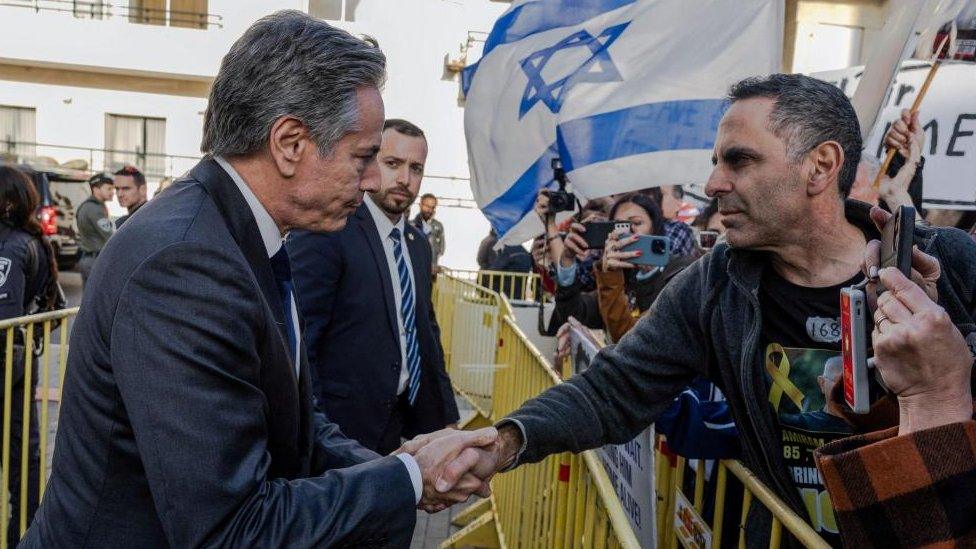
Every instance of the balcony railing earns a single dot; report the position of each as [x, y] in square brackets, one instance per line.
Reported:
[95, 9]
[155, 166]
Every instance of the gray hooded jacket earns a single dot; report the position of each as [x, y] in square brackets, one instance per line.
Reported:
[708, 321]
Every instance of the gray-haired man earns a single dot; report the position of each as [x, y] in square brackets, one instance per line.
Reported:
[187, 419]
[758, 315]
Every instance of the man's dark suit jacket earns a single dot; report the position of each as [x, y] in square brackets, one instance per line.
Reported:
[345, 294]
[183, 423]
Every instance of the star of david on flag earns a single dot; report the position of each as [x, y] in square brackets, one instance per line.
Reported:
[628, 93]
[598, 67]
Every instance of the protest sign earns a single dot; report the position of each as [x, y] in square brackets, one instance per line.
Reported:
[948, 116]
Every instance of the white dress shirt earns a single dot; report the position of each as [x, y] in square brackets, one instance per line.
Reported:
[383, 227]
[273, 241]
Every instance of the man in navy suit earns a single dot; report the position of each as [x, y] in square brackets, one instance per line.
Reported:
[187, 417]
[373, 341]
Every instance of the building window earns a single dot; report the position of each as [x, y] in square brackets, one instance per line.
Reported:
[136, 140]
[191, 14]
[333, 10]
[18, 131]
[90, 9]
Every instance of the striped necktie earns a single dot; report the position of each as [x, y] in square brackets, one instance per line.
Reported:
[407, 311]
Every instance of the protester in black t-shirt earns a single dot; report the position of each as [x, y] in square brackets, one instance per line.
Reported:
[785, 157]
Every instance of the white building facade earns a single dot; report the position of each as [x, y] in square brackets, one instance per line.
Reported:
[126, 81]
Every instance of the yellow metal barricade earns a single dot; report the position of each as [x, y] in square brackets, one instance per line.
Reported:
[469, 315]
[564, 501]
[692, 524]
[35, 346]
[567, 500]
[514, 286]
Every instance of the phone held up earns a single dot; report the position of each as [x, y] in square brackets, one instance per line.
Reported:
[655, 250]
[854, 349]
[897, 238]
[896, 251]
[597, 232]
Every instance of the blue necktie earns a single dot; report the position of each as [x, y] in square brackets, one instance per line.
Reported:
[409, 317]
[282, 273]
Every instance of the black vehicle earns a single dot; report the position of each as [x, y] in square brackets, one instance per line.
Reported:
[56, 211]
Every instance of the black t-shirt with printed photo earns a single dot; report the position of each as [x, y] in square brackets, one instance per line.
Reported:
[801, 332]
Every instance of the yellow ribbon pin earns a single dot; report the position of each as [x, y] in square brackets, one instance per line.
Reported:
[779, 371]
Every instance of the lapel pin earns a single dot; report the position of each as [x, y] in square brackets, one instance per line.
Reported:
[409, 236]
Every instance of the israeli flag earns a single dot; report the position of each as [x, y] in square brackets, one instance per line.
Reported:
[628, 93]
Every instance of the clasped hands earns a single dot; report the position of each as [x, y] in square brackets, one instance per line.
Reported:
[456, 464]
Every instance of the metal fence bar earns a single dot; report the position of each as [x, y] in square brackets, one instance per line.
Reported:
[16, 328]
[567, 500]
[8, 377]
[25, 428]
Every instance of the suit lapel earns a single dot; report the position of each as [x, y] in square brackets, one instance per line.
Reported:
[379, 255]
[243, 228]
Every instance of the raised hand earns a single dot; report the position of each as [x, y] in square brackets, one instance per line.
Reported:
[921, 355]
[614, 259]
[907, 136]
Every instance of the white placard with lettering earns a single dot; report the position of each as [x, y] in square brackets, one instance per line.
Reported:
[948, 114]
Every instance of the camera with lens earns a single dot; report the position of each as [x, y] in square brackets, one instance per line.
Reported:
[659, 247]
[561, 200]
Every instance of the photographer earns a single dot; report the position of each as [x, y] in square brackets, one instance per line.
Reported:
[624, 290]
[911, 485]
[576, 297]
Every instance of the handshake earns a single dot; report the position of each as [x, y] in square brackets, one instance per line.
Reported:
[455, 464]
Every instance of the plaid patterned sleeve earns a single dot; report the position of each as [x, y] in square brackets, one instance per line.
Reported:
[682, 237]
[904, 491]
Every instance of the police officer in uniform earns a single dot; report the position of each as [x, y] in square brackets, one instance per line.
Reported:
[28, 282]
[94, 225]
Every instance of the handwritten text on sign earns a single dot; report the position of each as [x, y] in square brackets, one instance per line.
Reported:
[948, 116]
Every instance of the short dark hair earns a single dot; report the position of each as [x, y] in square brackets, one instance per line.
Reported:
[134, 173]
[425, 196]
[808, 112]
[404, 127]
[99, 179]
[646, 203]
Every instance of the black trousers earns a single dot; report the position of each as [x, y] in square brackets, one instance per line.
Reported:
[16, 446]
[393, 434]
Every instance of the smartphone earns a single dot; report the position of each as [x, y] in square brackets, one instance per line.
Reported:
[854, 349]
[897, 237]
[707, 239]
[597, 232]
[655, 250]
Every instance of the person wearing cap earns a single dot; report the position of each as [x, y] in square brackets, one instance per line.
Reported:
[130, 184]
[94, 225]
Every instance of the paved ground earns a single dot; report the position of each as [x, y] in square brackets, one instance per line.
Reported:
[431, 530]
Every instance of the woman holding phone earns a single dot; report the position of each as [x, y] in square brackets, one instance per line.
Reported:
[624, 290]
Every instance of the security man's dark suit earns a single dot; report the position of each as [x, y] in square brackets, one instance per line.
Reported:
[345, 294]
[183, 422]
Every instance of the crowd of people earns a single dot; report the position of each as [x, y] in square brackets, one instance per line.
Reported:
[257, 359]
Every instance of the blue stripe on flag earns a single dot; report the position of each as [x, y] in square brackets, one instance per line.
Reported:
[535, 17]
[689, 124]
[509, 208]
